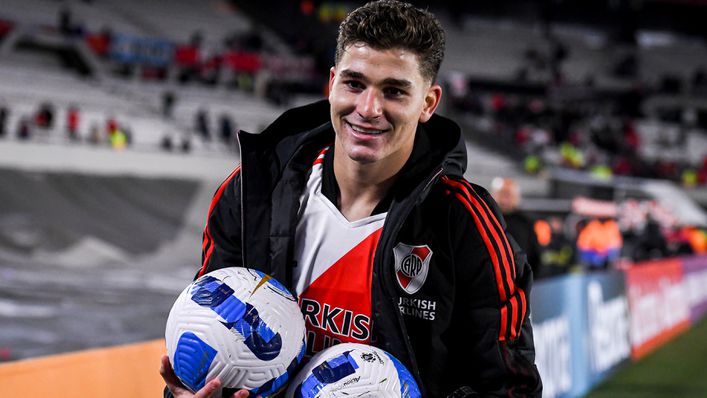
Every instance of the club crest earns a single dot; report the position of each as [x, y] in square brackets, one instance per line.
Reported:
[411, 266]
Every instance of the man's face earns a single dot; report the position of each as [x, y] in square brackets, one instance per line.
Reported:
[377, 99]
[507, 196]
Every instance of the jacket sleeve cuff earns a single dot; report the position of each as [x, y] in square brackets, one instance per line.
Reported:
[463, 392]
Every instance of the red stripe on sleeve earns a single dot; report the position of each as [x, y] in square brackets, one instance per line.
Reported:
[487, 217]
[514, 317]
[513, 300]
[497, 223]
[523, 309]
[504, 322]
[494, 261]
[207, 243]
[494, 256]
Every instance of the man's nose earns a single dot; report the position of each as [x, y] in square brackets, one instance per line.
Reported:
[369, 104]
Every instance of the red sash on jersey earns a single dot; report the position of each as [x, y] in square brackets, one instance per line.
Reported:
[337, 305]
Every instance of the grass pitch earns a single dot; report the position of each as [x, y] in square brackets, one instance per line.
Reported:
[678, 369]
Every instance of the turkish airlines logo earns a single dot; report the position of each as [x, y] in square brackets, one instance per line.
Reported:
[411, 266]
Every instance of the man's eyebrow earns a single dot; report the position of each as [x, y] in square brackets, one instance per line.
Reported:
[348, 73]
[400, 83]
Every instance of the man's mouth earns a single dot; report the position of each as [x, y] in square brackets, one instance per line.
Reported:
[364, 130]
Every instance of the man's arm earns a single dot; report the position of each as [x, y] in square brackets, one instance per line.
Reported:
[491, 336]
[221, 247]
[221, 242]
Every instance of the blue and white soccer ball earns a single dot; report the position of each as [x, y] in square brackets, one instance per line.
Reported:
[353, 370]
[239, 325]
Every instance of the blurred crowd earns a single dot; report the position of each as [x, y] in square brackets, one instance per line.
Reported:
[552, 119]
[242, 60]
[50, 122]
[599, 135]
[595, 235]
[44, 123]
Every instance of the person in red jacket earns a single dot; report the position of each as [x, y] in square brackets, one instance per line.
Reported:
[359, 205]
[72, 122]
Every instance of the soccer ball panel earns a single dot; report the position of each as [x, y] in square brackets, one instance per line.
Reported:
[351, 369]
[238, 324]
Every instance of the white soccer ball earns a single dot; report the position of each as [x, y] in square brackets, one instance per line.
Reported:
[239, 325]
[353, 370]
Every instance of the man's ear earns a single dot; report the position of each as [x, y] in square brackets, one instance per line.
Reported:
[432, 99]
[332, 76]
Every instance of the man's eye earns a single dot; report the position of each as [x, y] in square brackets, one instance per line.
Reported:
[354, 84]
[393, 92]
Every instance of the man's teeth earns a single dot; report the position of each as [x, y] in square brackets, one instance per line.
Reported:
[365, 131]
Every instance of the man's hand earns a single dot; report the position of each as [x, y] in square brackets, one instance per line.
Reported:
[179, 391]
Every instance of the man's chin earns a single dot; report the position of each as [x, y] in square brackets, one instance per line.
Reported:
[363, 157]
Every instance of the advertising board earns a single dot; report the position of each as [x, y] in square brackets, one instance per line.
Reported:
[658, 307]
[606, 309]
[695, 284]
[558, 332]
[581, 330]
[141, 50]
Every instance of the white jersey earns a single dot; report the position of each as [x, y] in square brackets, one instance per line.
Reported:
[334, 268]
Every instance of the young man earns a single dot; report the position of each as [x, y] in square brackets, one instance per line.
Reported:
[359, 205]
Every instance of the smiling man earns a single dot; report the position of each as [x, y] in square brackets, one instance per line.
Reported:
[358, 204]
[378, 96]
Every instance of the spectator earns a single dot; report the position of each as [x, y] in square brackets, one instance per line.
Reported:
[166, 143]
[599, 243]
[4, 116]
[678, 241]
[591, 244]
[128, 135]
[188, 58]
[651, 243]
[697, 238]
[111, 126]
[201, 124]
[699, 81]
[614, 240]
[44, 118]
[24, 129]
[65, 21]
[100, 42]
[168, 99]
[94, 134]
[558, 255]
[210, 69]
[543, 231]
[68, 26]
[72, 122]
[118, 139]
[508, 196]
[185, 144]
[227, 132]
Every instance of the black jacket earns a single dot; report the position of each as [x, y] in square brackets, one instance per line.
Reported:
[522, 228]
[466, 331]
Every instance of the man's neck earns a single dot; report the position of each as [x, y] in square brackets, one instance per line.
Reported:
[363, 186]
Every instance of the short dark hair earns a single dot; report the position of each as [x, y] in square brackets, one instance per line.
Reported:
[387, 24]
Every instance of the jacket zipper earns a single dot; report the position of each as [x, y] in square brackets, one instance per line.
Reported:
[389, 287]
